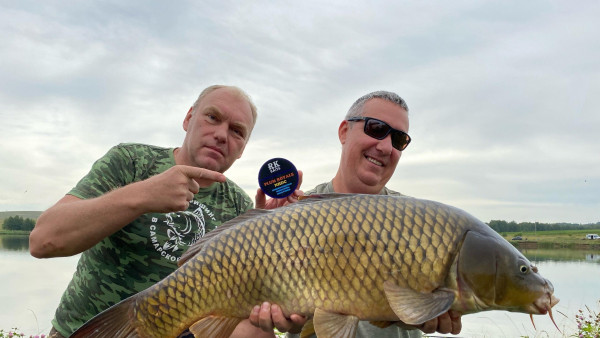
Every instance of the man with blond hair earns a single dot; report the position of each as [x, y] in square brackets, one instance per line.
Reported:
[141, 206]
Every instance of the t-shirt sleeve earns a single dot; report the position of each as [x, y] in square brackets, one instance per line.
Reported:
[113, 170]
[247, 203]
[242, 201]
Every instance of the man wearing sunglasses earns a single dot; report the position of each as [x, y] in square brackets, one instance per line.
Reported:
[373, 135]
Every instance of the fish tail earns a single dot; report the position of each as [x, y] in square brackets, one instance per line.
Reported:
[116, 321]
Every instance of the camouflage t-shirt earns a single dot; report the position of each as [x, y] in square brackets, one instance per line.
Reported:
[146, 250]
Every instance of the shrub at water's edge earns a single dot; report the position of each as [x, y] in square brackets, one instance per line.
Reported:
[14, 333]
[588, 324]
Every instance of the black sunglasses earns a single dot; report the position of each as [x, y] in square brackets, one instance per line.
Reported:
[378, 129]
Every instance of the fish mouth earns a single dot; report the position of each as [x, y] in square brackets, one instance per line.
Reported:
[543, 304]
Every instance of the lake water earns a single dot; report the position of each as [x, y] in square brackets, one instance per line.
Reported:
[31, 288]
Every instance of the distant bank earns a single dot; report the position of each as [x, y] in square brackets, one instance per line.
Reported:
[25, 214]
[572, 238]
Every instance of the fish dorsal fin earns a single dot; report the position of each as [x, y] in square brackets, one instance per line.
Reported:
[321, 197]
[415, 308]
[330, 324]
[308, 329]
[215, 326]
[196, 247]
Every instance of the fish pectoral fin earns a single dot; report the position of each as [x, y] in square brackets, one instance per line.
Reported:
[331, 324]
[415, 308]
[118, 320]
[215, 326]
[308, 329]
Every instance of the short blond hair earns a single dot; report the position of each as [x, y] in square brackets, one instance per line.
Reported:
[242, 93]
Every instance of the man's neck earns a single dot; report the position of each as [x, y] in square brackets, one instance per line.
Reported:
[175, 153]
[340, 186]
[180, 157]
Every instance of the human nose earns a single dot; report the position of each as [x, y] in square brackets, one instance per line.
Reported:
[385, 145]
[221, 133]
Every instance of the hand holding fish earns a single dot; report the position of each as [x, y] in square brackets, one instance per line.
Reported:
[267, 317]
[448, 322]
[261, 202]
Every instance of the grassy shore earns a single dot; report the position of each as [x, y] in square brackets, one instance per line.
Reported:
[573, 239]
[14, 232]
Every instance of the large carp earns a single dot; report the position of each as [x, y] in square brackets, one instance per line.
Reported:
[338, 259]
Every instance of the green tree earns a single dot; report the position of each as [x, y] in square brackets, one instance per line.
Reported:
[13, 223]
[18, 223]
[28, 224]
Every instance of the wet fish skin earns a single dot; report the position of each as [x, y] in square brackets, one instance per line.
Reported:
[364, 256]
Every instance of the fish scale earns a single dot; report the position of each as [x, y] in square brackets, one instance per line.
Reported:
[332, 253]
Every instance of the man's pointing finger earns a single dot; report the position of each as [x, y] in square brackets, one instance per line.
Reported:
[204, 177]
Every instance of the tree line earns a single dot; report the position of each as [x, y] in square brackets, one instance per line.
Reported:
[504, 226]
[18, 223]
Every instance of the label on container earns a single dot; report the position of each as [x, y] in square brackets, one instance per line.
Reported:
[278, 178]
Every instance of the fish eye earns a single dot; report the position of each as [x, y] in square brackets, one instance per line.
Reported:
[524, 268]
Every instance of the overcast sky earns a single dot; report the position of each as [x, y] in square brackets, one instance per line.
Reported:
[501, 94]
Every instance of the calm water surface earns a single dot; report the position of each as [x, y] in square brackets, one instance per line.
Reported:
[31, 288]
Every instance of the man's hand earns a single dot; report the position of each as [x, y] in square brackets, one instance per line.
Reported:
[204, 177]
[448, 322]
[173, 189]
[261, 202]
[74, 225]
[267, 316]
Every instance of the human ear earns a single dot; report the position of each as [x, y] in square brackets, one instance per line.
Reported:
[343, 131]
[186, 120]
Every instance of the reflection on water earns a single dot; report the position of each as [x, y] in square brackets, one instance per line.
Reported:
[14, 243]
[561, 255]
[30, 288]
[592, 257]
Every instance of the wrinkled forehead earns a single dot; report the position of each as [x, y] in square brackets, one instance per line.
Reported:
[226, 96]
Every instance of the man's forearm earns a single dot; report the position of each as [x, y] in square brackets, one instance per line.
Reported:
[74, 225]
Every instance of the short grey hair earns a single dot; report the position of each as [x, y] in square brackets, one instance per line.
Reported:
[356, 108]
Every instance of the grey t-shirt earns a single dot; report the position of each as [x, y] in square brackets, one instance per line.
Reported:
[366, 329]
